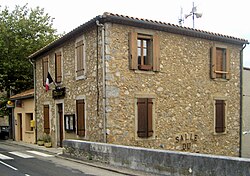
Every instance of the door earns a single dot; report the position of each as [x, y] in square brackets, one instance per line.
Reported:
[20, 127]
[60, 116]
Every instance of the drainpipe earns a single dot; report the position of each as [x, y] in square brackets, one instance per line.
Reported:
[103, 80]
[241, 96]
[35, 109]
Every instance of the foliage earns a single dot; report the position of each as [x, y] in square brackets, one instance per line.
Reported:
[3, 108]
[47, 138]
[23, 31]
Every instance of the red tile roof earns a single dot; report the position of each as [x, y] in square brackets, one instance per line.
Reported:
[23, 95]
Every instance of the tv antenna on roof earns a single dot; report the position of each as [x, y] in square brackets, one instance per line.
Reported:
[194, 13]
[181, 19]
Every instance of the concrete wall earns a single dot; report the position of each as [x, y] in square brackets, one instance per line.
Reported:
[246, 114]
[158, 161]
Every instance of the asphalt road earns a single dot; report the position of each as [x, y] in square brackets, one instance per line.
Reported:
[18, 160]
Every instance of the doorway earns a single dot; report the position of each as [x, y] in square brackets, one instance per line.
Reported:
[20, 126]
[60, 118]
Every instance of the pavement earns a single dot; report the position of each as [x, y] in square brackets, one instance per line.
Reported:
[58, 152]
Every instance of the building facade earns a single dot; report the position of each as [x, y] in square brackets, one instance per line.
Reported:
[130, 81]
[24, 119]
[246, 114]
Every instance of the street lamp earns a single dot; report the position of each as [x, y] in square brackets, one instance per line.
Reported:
[194, 13]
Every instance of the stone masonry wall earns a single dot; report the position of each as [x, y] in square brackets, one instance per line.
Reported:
[84, 88]
[183, 93]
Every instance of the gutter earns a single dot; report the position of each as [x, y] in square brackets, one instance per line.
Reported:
[241, 97]
[104, 102]
[35, 109]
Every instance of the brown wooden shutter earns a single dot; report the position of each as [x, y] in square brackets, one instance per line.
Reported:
[220, 116]
[150, 117]
[58, 67]
[46, 119]
[213, 62]
[45, 69]
[133, 58]
[142, 117]
[228, 75]
[156, 53]
[80, 117]
[80, 58]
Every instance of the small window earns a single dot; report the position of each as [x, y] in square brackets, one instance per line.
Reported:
[45, 69]
[80, 110]
[220, 116]
[58, 67]
[145, 115]
[69, 121]
[29, 118]
[144, 52]
[220, 63]
[46, 119]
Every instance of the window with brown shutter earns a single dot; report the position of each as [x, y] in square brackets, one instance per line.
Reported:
[145, 113]
[46, 119]
[143, 52]
[220, 116]
[220, 63]
[80, 58]
[80, 105]
[45, 69]
[58, 67]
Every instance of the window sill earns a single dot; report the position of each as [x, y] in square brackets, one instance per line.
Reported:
[220, 79]
[219, 134]
[80, 77]
[145, 72]
[29, 132]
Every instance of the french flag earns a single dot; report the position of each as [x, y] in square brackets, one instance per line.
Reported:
[49, 80]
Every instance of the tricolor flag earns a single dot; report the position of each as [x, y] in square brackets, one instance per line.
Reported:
[49, 80]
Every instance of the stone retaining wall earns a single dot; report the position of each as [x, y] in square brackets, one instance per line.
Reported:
[158, 161]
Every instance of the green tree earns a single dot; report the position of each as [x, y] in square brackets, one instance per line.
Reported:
[22, 32]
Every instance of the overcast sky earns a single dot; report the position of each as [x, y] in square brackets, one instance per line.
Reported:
[219, 16]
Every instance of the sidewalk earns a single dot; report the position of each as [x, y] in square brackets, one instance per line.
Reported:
[56, 151]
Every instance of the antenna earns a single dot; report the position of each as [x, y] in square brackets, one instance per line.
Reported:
[181, 19]
[194, 13]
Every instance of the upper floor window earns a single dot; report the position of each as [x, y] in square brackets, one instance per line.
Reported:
[58, 67]
[144, 51]
[80, 57]
[45, 61]
[220, 63]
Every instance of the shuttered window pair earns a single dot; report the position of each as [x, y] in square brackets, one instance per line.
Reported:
[46, 119]
[144, 52]
[145, 117]
[80, 111]
[58, 67]
[220, 116]
[45, 69]
[80, 58]
[220, 63]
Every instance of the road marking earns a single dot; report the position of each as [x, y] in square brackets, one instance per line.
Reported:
[4, 157]
[40, 153]
[9, 166]
[22, 155]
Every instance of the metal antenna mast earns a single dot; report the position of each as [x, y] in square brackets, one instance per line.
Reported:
[194, 13]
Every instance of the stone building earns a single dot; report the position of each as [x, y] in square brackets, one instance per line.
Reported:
[138, 82]
[24, 119]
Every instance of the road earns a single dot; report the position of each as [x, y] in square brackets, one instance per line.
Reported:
[18, 160]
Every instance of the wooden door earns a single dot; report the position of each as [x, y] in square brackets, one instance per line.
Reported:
[20, 127]
[60, 116]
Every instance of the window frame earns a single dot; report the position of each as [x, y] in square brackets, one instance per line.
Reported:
[153, 98]
[220, 74]
[153, 39]
[215, 115]
[81, 76]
